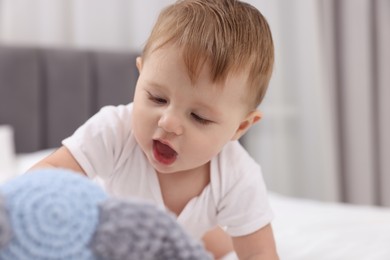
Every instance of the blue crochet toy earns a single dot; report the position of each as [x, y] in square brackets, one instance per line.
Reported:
[55, 214]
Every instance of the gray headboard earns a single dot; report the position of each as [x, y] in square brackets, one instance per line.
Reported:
[45, 94]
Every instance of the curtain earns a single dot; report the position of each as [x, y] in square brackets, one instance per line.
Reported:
[326, 127]
[359, 62]
[327, 134]
[382, 21]
[295, 141]
[324, 134]
[97, 24]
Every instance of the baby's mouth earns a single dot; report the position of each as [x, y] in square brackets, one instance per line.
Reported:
[163, 153]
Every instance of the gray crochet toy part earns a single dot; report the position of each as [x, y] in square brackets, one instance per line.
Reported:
[129, 230]
[5, 228]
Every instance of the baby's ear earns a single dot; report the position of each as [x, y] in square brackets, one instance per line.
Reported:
[252, 118]
[138, 63]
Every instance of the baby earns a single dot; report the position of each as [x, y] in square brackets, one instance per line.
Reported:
[202, 74]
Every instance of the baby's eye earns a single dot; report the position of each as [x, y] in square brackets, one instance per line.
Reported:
[200, 119]
[157, 100]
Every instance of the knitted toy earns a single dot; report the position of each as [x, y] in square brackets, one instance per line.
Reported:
[55, 214]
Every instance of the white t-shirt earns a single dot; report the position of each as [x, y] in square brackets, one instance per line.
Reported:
[235, 198]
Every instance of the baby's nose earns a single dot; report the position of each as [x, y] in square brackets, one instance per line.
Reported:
[171, 123]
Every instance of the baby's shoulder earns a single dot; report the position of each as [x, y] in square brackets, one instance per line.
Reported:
[234, 157]
[112, 119]
[118, 111]
[234, 167]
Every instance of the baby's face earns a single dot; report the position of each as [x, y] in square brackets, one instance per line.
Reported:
[181, 125]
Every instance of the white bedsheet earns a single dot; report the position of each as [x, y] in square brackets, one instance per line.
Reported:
[312, 230]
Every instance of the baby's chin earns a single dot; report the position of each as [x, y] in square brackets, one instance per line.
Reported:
[167, 169]
[158, 167]
[173, 170]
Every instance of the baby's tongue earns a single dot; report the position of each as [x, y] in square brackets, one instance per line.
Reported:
[164, 150]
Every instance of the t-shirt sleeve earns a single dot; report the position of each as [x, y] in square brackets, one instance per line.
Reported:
[244, 207]
[97, 143]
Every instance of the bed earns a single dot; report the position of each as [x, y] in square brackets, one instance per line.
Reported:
[46, 93]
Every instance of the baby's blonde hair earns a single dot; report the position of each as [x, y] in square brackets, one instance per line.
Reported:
[230, 35]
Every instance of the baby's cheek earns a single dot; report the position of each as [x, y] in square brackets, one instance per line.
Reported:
[206, 148]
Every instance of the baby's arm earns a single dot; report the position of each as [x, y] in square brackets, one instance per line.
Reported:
[61, 158]
[258, 245]
[218, 242]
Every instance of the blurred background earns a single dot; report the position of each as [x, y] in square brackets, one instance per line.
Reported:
[325, 131]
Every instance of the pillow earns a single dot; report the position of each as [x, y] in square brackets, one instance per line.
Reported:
[7, 153]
